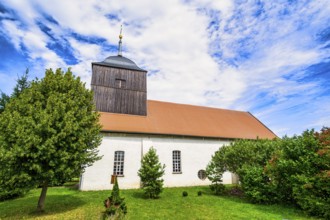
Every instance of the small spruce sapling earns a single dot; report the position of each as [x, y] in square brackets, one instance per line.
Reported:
[151, 173]
[115, 206]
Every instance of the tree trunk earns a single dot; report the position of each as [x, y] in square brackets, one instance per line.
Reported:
[42, 198]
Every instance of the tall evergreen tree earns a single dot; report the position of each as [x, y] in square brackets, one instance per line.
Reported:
[21, 84]
[49, 133]
[150, 173]
[4, 99]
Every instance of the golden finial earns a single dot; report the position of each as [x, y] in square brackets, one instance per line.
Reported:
[120, 43]
[121, 29]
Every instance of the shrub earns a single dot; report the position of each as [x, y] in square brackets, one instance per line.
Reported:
[115, 206]
[311, 189]
[150, 173]
[235, 191]
[253, 153]
[6, 195]
[184, 194]
[297, 157]
[293, 170]
[301, 171]
[313, 194]
[256, 185]
[218, 189]
[199, 193]
[12, 187]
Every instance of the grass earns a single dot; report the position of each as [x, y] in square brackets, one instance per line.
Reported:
[69, 203]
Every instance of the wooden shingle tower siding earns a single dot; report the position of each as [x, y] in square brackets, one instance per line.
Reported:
[119, 90]
[119, 85]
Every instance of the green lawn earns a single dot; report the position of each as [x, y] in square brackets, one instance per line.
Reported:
[67, 203]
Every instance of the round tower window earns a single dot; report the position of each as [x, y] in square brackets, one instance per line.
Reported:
[202, 174]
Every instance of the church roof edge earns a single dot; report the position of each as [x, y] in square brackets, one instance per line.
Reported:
[188, 120]
[119, 62]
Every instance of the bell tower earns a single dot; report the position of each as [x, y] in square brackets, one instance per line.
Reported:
[119, 85]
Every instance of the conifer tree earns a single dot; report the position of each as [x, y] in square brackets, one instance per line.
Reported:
[115, 205]
[21, 84]
[150, 173]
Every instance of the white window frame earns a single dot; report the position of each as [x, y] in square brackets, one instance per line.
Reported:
[118, 163]
[176, 161]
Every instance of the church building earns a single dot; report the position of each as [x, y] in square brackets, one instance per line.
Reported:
[184, 136]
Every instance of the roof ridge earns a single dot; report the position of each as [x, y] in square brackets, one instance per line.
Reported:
[199, 106]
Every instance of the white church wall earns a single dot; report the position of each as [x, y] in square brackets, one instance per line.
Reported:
[195, 155]
[98, 176]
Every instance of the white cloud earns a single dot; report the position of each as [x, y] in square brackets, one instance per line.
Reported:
[34, 41]
[14, 34]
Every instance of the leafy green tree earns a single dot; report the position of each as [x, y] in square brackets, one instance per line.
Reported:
[50, 132]
[294, 170]
[150, 173]
[21, 84]
[241, 153]
[294, 158]
[247, 159]
[302, 172]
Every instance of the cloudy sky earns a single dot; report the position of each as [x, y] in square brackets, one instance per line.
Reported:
[271, 59]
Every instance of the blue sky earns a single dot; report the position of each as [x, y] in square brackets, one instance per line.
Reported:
[270, 58]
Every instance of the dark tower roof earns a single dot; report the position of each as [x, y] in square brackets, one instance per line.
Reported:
[119, 62]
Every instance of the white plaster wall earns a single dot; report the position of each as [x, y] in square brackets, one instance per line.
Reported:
[195, 155]
[98, 176]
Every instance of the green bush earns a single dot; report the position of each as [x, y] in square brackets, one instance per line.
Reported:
[256, 185]
[12, 186]
[184, 194]
[218, 189]
[239, 154]
[235, 190]
[301, 171]
[295, 157]
[293, 170]
[199, 193]
[312, 189]
[313, 194]
[6, 195]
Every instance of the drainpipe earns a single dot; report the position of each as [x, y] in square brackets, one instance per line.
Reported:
[141, 158]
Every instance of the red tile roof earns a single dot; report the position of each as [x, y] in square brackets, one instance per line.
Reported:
[188, 120]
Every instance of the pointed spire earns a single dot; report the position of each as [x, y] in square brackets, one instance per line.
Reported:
[120, 37]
